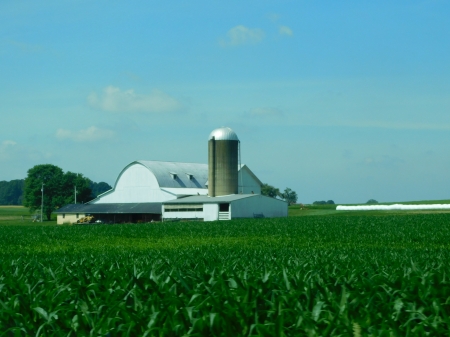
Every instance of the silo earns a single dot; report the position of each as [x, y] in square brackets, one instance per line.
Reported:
[222, 162]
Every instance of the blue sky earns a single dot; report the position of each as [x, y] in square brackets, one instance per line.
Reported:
[337, 100]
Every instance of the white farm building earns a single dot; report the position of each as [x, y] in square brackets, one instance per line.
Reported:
[159, 190]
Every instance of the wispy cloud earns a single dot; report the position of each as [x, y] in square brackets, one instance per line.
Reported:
[396, 125]
[7, 147]
[11, 151]
[90, 134]
[274, 17]
[285, 30]
[241, 35]
[26, 47]
[116, 100]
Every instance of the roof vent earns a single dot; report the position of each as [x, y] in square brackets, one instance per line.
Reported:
[173, 175]
[190, 176]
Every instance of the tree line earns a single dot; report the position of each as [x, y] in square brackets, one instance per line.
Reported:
[59, 189]
[287, 195]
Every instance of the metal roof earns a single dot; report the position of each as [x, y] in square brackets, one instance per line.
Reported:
[223, 133]
[178, 175]
[201, 199]
[128, 208]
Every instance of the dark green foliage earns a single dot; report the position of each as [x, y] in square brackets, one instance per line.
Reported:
[98, 188]
[270, 191]
[323, 202]
[59, 188]
[316, 276]
[372, 201]
[11, 192]
[289, 196]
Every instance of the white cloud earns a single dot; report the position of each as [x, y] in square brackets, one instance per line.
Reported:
[265, 112]
[26, 47]
[114, 99]
[7, 143]
[241, 35]
[274, 17]
[10, 151]
[7, 148]
[87, 135]
[285, 30]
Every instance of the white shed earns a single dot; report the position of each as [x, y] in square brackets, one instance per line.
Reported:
[225, 207]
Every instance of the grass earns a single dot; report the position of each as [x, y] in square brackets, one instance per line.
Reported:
[19, 215]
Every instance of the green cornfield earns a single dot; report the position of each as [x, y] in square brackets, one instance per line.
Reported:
[298, 276]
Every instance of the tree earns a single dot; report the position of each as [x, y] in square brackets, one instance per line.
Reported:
[58, 188]
[270, 191]
[372, 201]
[289, 195]
[330, 202]
[82, 184]
[11, 192]
[99, 188]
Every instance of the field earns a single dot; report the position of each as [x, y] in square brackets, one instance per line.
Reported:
[318, 275]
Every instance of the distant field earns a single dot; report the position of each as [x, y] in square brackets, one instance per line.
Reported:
[18, 215]
[308, 210]
[358, 275]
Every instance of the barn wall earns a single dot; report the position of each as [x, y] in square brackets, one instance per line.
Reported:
[211, 212]
[258, 204]
[183, 215]
[68, 218]
[136, 184]
[250, 184]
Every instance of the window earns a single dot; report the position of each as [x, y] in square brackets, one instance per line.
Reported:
[183, 208]
[224, 207]
[78, 215]
[64, 215]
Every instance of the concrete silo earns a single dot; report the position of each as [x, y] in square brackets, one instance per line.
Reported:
[223, 154]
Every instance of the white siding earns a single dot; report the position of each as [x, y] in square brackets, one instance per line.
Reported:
[68, 218]
[211, 212]
[249, 183]
[258, 204]
[182, 215]
[135, 184]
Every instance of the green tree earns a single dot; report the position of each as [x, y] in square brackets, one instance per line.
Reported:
[270, 191]
[99, 188]
[83, 188]
[289, 196]
[11, 192]
[59, 188]
[372, 201]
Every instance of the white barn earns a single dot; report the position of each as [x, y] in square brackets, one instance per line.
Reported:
[159, 181]
[142, 186]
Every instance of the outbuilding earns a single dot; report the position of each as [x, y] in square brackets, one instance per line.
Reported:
[224, 207]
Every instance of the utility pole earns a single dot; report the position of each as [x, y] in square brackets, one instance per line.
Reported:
[75, 189]
[42, 203]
